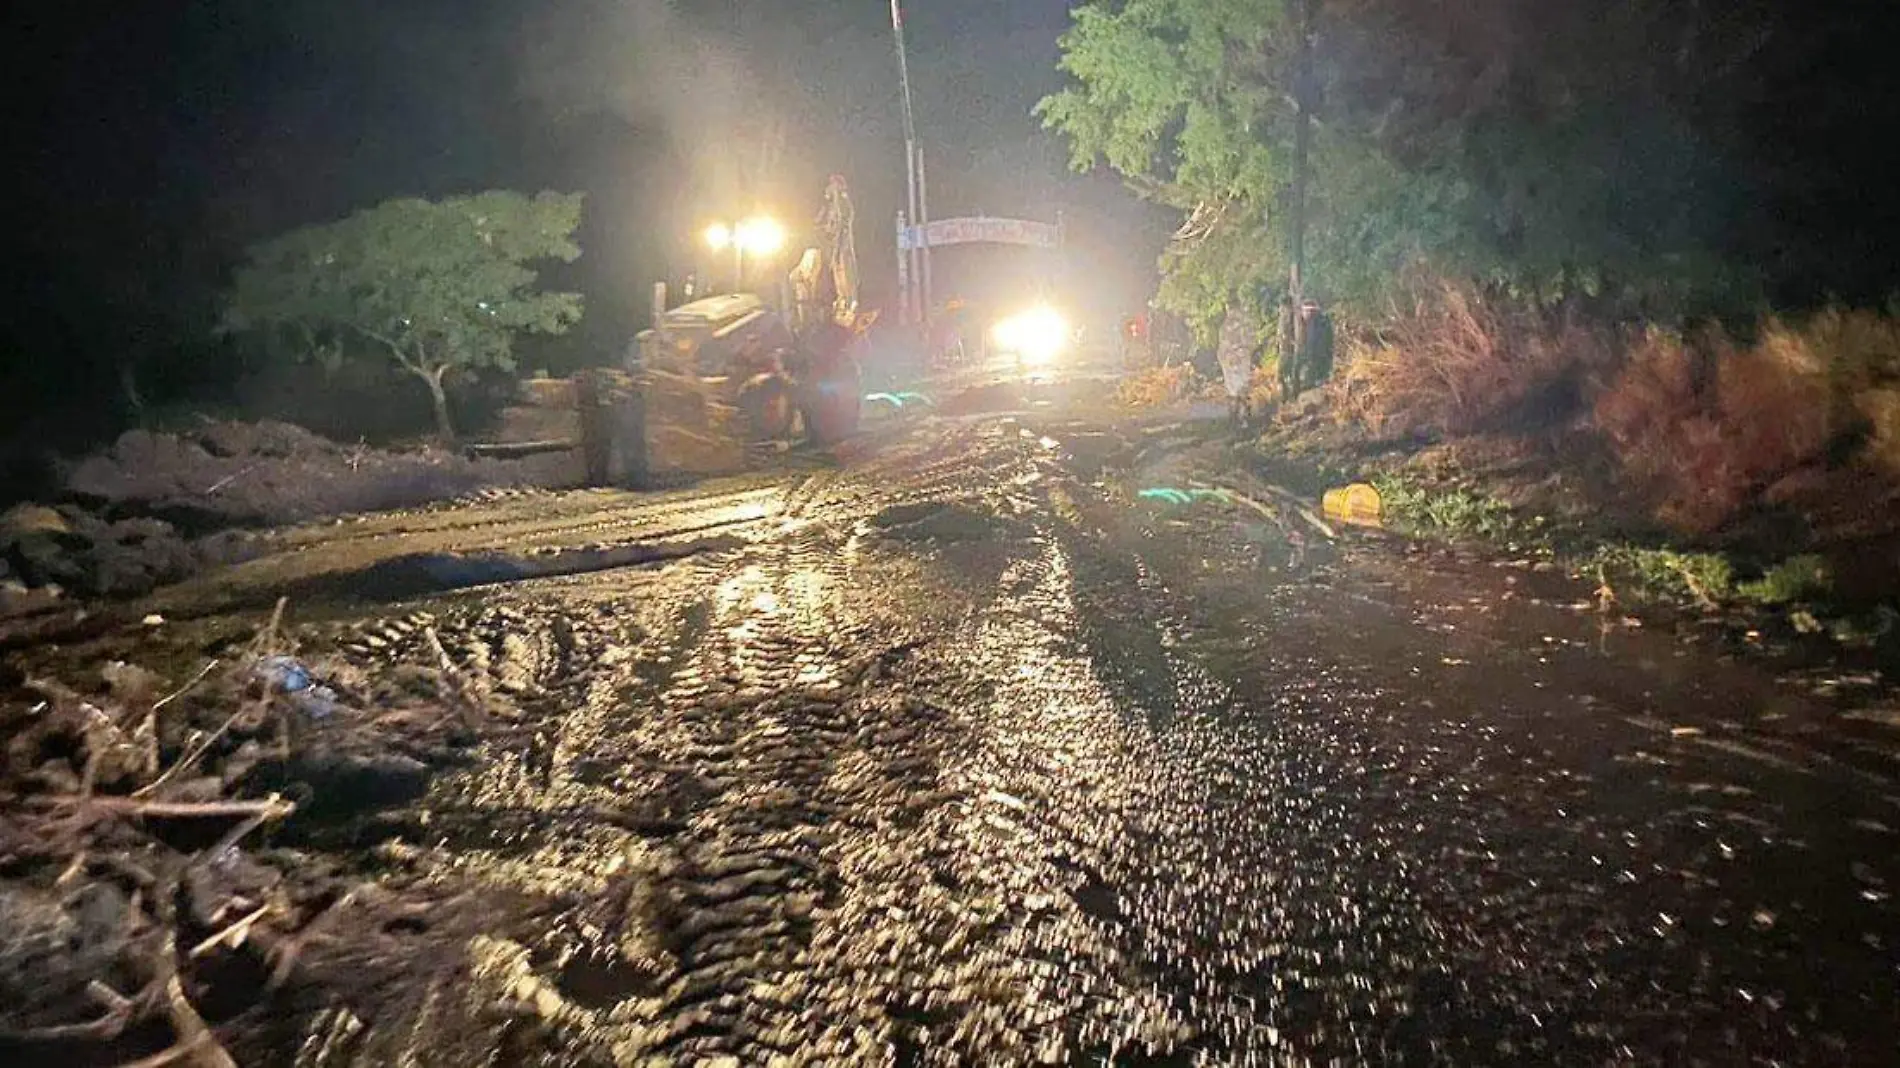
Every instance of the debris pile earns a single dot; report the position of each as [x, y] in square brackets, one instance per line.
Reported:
[229, 474]
[45, 551]
[149, 875]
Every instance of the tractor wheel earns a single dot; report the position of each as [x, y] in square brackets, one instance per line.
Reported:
[768, 409]
[831, 410]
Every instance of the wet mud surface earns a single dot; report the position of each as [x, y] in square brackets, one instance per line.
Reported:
[958, 753]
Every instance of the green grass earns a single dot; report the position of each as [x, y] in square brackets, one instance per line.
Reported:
[1454, 513]
[1666, 573]
[1798, 578]
[1707, 578]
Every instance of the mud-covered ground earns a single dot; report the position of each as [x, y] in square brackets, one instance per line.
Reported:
[959, 751]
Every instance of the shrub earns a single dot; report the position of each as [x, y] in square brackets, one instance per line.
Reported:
[1794, 579]
[1263, 389]
[1862, 351]
[1707, 577]
[1702, 428]
[1456, 511]
[1881, 410]
[1158, 387]
[1453, 361]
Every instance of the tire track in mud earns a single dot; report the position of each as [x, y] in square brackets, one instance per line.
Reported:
[471, 547]
[716, 701]
[952, 763]
[820, 798]
[549, 514]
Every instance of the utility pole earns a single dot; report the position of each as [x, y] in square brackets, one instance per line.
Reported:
[903, 270]
[912, 313]
[923, 224]
[1302, 138]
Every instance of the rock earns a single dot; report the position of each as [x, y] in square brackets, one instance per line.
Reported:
[24, 520]
[131, 684]
[51, 946]
[17, 599]
[43, 559]
[226, 547]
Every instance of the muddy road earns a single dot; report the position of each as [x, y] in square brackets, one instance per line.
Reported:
[961, 752]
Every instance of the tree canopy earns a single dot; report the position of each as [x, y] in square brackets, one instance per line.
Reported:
[437, 287]
[1552, 151]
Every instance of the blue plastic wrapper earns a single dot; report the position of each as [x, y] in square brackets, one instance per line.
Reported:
[287, 676]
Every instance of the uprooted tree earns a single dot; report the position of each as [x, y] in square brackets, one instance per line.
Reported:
[439, 287]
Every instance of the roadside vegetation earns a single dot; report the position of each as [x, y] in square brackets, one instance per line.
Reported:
[1551, 336]
[1767, 451]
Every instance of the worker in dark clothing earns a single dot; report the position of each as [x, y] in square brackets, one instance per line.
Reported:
[1306, 348]
[1316, 345]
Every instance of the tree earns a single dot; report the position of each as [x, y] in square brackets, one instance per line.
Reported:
[1545, 149]
[438, 287]
[1193, 102]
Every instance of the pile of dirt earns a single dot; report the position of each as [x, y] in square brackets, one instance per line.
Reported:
[225, 474]
[46, 552]
[138, 909]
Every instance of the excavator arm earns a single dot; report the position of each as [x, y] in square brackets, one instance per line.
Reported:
[838, 226]
[825, 281]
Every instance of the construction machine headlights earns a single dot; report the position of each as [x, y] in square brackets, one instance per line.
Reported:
[757, 236]
[760, 236]
[1038, 335]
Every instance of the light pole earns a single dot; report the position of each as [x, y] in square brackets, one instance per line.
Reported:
[910, 312]
[1303, 93]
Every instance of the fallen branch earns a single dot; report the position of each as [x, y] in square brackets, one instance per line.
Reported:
[272, 807]
[1605, 593]
[465, 701]
[1264, 512]
[118, 1014]
[186, 688]
[192, 757]
[287, 950]
[1292, 500]
[232, 477]
[1300, 506]
[237, 833]
[266, 639]
[1695, 587]
[195, 1039]
[234, 935]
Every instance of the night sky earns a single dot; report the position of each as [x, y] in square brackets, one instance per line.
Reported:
[160, 138]
[152, 141]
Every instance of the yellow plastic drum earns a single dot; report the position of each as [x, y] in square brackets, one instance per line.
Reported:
[1357, 503]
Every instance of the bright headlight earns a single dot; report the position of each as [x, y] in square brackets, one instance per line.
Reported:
[1038, 334]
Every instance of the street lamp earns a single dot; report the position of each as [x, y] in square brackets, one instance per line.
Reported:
[759, 237]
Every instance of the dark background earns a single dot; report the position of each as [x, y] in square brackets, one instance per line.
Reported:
[150, 142]
[154, 141]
